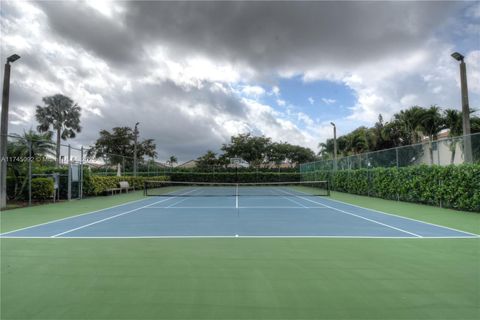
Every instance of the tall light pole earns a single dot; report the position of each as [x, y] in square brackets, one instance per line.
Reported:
[135, 132]
[334, 146]
[467, 142]
[4, 130]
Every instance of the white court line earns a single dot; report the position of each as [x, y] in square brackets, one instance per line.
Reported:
[115, 216]
[396, 215]
[358, 216]
[241, 236]
[236, 196]
[173, 204]
[407, 218]
[74, 216]
[291, 200]
[240, 207]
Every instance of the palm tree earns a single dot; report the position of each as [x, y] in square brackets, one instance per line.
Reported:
[63, 115]
[453, 121]
[40, 144]
[430, 124]
[323, 151]
[410, 120]
[172, 160]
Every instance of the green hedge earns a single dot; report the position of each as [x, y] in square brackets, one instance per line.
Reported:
[452, 186]
[235, 177]
[42, 188]
[95, 185]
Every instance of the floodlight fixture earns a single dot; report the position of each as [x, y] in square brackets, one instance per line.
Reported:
[457, 56]
[13, 58]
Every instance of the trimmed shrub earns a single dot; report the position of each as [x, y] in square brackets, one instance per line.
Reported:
[99, 184]
[235, 177]
[454, 186]
[42, 188]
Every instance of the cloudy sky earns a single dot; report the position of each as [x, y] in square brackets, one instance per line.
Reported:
[195, 73]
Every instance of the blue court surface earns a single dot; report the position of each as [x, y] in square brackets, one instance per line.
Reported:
[285, 214]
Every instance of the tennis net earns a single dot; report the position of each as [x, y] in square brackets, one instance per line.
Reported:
[217, 189]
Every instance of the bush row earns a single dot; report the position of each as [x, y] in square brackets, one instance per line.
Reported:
[42, 188]
[235, 177]
[94, 185]
[455, 187]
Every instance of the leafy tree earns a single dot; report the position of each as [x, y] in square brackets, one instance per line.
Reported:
[474, 124]
[299, 154]
[208, 160]
[357, 141]
[278, 152]
[394, 134]
[116, 146]
[63, 115]
[251, 149]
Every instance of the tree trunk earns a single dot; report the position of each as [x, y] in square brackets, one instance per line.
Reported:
[453, 148]
[430, 149]
[58, 148]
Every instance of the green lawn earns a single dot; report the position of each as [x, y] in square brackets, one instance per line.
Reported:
[240, 278]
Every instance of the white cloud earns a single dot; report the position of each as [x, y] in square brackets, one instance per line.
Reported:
[305, 119]
[281, 102]
[253, 91]
[276, 90]
[311, 100]
[328, 101]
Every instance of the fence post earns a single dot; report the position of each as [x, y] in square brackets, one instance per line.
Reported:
[69, 187]
[438, 153]
[29, 172]
[396, 155]
[80, 191]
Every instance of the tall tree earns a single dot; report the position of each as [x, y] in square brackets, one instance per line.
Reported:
[278, 152]
[431, 123]
[63, 115]
[117, 146]
[323, 152]
[208, 160]
[41, 145]
[410, 120]
[250, 148]
[453, 121]
[172, 160]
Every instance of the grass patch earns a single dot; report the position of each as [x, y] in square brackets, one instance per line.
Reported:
[240, 279]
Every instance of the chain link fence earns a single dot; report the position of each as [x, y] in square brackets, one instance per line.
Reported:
[33, 164]
[448, 151]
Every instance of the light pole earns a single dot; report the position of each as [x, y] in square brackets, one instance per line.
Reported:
[334, 146]
[135, 132]
[467, 142]
[4, 130]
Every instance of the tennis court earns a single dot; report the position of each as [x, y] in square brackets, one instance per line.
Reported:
[237, 210]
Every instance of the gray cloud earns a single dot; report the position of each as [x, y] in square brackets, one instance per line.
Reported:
[282, 35]
[94, 58]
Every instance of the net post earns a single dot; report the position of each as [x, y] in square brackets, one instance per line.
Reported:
[69, 178]
[29, 172]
